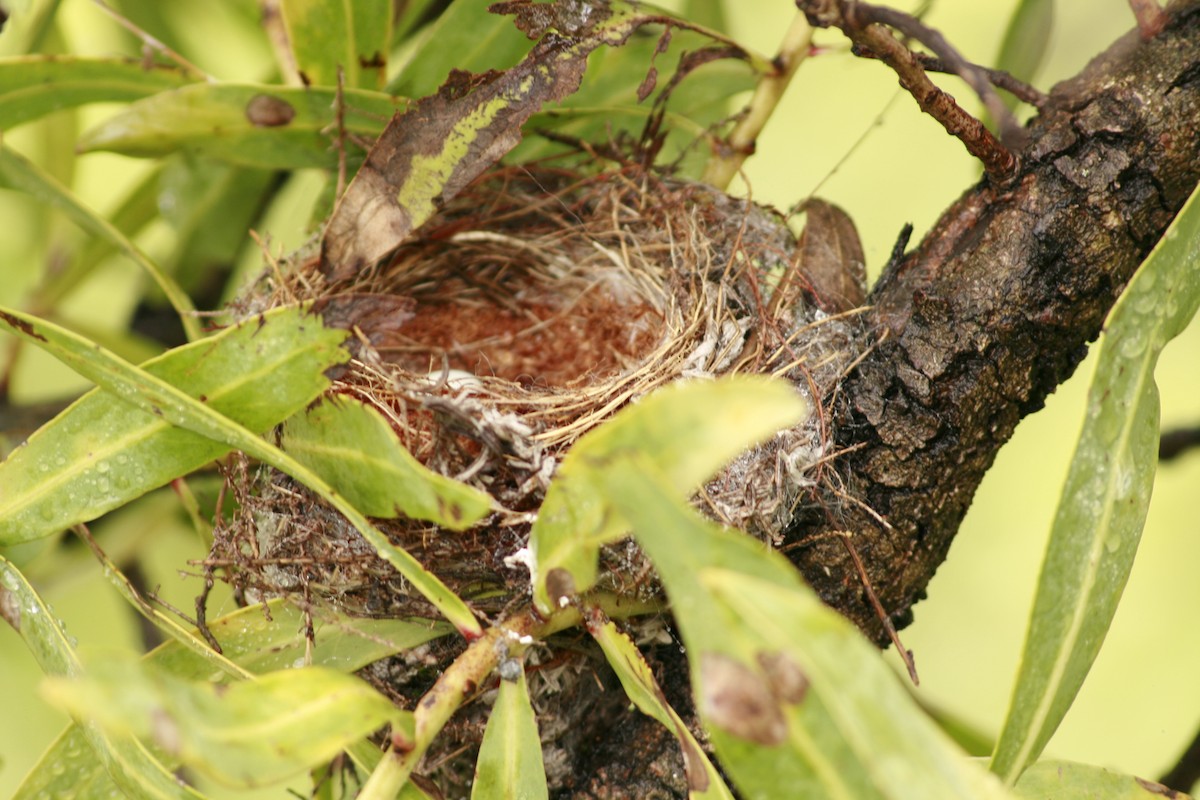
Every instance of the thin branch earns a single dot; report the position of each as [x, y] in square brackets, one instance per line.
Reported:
[976, 78]
[997, 77]
[1151, 18]
[1186, 772]
[861, 23]
[1175, 443]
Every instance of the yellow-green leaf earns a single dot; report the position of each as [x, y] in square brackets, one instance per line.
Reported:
[797, 702]
[36, 85]
[246, 734]
[254, 641]
[510, 765]
[353, 447]
[18, 172]
[160, 398]
[704, 781]
[269, 127]
[688, 430]
[326, 35]
[1098, 524]
[1051, 780]
[103, 452]
[131, 766]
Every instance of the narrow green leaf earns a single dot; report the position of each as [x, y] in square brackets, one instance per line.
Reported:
[1098, 524]
[36, 85]
[253, 641]
[354, 448]
[212, 205]
[246, 734]
[18, 172]
[704, 781]
[350, 34]
[688, 429]
[1051, 780]
[1025, 40]
[102, 452]
[137, 210]
[268, 127]
[127, 761]
[156, 396]
[796, 701]
[510, 765]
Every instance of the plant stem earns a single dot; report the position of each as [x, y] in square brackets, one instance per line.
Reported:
[733, 151]
[461, 680]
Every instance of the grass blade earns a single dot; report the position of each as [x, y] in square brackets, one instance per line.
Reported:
[1098, 524]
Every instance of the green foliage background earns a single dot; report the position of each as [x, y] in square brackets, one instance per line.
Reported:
[1140, 703]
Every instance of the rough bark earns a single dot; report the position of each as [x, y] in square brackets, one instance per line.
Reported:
[995, 308]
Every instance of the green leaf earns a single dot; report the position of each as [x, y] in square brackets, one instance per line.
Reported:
[268, 127]
[1098, 524]
[510, 765]
[127, 761]
[464, 36]
[137, 210]
[1025, 40]
[161, 399]
[351, 34]
[254, 641]
[18, 172]
[211, 206]
[246, 734]
[704, 781]
[1050, 780]
[261, 643]
[688, 429]
[356, 451]
[33, 86]
[102, 452]
[28, 27]
[796, 701]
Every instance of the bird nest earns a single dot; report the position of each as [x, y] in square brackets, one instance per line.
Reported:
[529, 310]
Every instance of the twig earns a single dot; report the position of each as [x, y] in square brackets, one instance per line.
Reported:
[865, 26]
[1186, 772]
[1175, 443]
[732, 152]
[997, 77]
[1151, 18]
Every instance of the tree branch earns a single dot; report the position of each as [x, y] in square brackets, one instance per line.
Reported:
[996, 306]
